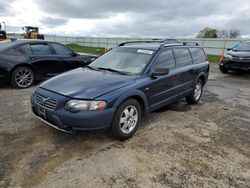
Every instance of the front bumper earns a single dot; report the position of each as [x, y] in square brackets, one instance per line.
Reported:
[236, 65]
[66, 121]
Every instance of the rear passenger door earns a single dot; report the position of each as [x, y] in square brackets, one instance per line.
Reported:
[43, 59]
[184, 69]
[162, 88]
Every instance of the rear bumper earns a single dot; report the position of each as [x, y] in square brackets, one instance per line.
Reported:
[66, 121]
[235, 65]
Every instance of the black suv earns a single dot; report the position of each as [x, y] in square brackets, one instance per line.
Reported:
[122, 85]
[236, 58]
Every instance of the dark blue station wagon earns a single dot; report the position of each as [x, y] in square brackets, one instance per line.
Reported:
[121, 86]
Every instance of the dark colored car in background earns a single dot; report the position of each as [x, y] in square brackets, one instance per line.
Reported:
[122, 85]
[236, 58]
[24, 61]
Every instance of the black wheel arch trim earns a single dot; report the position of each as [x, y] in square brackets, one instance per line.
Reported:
[138, 95]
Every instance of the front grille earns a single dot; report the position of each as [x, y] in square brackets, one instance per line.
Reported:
[241, 58]
[45, 102]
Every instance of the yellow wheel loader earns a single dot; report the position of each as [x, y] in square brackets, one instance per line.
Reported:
[32, 33]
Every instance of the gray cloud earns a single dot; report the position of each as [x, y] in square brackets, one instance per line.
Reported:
[53, 22]
[174, 18]
[5, 7]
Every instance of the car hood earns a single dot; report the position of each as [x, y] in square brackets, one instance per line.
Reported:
[84, 83]
[239, 53]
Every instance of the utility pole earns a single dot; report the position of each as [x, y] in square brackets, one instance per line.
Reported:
[4, 26]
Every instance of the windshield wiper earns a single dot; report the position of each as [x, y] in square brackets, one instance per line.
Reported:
[112, 70]
[92, 68]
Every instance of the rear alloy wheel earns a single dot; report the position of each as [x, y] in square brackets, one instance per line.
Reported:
[126, 120]
[22, 77]
[195, 97]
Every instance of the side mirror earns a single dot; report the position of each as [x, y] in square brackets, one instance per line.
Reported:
[159, 72]
[74, 54]
[228, 49]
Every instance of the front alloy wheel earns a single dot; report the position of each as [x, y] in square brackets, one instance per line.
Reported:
[126, 119]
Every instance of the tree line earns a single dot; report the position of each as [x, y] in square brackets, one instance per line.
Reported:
[208, 32]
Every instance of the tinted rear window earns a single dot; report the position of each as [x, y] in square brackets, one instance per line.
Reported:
[182, 57]
[198, 55]
[26, 49]
[40, 49]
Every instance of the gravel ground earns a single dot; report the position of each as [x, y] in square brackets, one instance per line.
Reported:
[206, 145]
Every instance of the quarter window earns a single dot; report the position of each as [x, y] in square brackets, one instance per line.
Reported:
[40, 49]
[182, 57]
[198, 55]
[165, 60]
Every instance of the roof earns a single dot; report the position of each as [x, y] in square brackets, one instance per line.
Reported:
[11, 43]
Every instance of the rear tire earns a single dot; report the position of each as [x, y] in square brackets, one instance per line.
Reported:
[196, 94]
[22, 77]
[126, 120]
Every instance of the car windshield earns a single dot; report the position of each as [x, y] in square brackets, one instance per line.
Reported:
[243, 46]
[125, 60]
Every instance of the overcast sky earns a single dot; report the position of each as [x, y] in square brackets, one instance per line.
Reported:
[132, 18]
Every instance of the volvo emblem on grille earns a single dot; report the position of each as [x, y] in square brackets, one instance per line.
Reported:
[43, 100]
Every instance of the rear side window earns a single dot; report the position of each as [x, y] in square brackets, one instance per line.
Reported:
[182, 57]
[26, 49]
[61, 50]
[40, 49]
[198, 55]
[165, 60]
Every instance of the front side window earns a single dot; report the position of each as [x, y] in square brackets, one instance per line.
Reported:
[198, 55]
[165, 60]
[61, 50]
[40, 49]
[182, 57]
[131, 61]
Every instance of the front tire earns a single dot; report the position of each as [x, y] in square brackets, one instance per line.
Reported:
[127, 119]
[223, 69]
[196, 94]
[22, 77]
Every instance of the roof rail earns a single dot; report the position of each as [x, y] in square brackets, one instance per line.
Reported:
[140, 41]
[164, 41]
[191, 43]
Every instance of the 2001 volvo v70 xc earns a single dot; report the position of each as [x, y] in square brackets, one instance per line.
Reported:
[119, 87]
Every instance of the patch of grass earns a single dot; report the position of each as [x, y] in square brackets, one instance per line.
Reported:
[213, 58]
[85, 49]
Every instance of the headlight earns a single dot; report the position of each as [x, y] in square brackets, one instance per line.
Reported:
[228, 56]
[79, 105]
